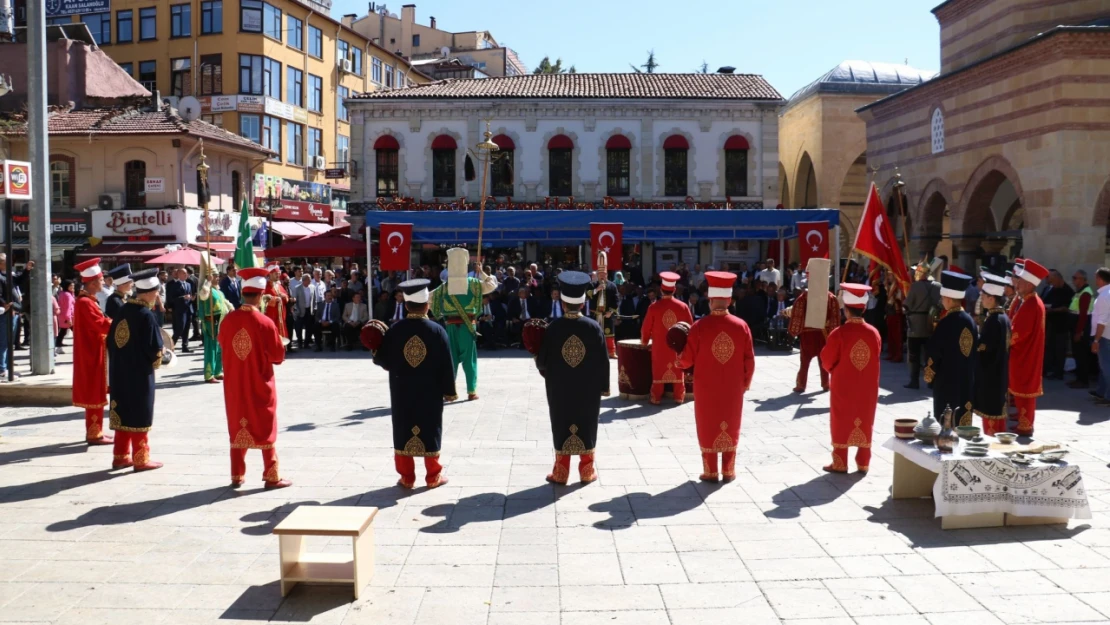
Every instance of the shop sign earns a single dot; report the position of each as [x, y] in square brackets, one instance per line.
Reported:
[277, 108]
[218, 103]
[155, 185]
[335, 173]
[289, 189]
[221, 227]
[61, 224]
[292, 210]
[15, 180]
[59, 8]
[138, 225]
[251, 104]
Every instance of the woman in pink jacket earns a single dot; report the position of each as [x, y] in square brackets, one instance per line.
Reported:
[63, 315]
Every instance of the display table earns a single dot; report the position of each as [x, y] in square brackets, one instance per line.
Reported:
[327, 568]
[987, 492]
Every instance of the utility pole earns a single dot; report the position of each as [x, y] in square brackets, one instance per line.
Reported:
[42, 322]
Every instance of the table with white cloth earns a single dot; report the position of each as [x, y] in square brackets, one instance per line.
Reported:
[987, 491]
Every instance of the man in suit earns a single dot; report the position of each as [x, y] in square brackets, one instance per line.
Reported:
[182, 295]
[553, 309]
[304, 311]
[396, 309]
[327, 322]
[521, 309]
[355, 315]
[229, 286]
[194, 321]
[384, 306]
[699, 306]
[511, 283]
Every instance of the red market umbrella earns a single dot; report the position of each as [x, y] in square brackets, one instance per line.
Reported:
[183, 256]
[321, 245]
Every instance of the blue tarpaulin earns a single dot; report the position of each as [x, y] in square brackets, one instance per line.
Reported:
[574, 225]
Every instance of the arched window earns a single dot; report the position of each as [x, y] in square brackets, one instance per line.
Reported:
[618, 166]
[134, 183]
[443, 166]
[501, 170]
[559, 152]
[675, 149]
[736, 166]
[61, 182]
[386, 156]
[938, 131]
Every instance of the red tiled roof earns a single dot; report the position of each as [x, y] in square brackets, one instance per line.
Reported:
[131, 122]
[640, 86]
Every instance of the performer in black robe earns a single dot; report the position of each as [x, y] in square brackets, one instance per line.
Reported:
[951, 352]
[992, 363]
[575, 367]
[134, 352]
[121, 288]
[604, 302]
[416, 353]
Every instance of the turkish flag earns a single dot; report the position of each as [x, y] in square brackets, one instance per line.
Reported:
[813, 240]
[395, 244]
[875, 240]
[607, 238]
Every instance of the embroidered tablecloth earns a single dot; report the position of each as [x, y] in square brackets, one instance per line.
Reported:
[967, 485]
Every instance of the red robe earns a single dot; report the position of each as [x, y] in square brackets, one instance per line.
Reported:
[1027, 359]
[851, 356]
[720, 348]
[895, 324]
[275, 307]
[812, 340]
[660, 317]
[251, 347]
[90, 355]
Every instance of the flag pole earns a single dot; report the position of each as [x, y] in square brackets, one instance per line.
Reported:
[485, 153]
[899, 187]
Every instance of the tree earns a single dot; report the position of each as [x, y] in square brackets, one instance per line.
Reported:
[545, 67]
[704, 69]
[649, 66]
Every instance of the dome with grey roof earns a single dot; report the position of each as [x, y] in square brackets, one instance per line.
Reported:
[864, 77]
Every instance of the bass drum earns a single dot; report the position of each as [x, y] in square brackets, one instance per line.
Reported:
[634, 369]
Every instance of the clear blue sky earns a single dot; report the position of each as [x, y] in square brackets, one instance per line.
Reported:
[790, 42]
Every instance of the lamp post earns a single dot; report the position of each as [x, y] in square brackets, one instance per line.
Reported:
[484, 153]
[270, 204]
[204, 198]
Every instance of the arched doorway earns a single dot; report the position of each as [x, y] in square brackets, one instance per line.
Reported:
[853, 194]
[784, 187]
[805, 184]
[933, 235]
[993, 213]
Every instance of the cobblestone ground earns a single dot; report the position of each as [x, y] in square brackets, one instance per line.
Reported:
[647, 544]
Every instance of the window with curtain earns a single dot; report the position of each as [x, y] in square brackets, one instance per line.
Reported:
[211, 74]
[61, 183]
[675, 150]
[181, 77]
[135, 184]
[618, 166]
[560, 151]
[443, 166]
[386, 166]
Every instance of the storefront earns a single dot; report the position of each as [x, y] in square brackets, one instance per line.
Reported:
[136, 235]
[69, 231]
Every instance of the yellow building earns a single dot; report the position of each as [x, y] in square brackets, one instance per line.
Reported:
[274, 71]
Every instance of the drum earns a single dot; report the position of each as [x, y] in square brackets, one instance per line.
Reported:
[634, 366]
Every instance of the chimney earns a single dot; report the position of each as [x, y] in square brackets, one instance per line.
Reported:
[349, 19]
[727, 69]
[408, 21]
[433, 21]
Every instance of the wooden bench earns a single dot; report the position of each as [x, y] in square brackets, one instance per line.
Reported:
[327, 568]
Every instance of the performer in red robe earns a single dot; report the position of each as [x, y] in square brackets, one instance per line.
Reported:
[661, 315]
[895, 319]
[1027, 344]
[90, 353]
[251, 347]
[719, 346]
[812, 340]
[1011, 293]
[851, 356]
[275, 299]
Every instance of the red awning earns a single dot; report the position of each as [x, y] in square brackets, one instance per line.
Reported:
[504, 142]
[736, 142]
[320, 246]
[618, 142]
[386, 142]
[123, 251]
[676, 142]
[444, 142]
[560, 142]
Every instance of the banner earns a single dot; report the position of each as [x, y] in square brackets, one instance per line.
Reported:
[606, 238]
[813, 240]
[395, 245]
[875, 240]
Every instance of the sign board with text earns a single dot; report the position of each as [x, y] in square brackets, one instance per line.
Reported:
[59, 8]
[155, 185]
[15, 180]
[147, 224]
[335, 173]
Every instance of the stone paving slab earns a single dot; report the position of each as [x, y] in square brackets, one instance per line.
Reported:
[647, 544]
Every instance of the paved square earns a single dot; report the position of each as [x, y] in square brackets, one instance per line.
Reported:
[646, 545]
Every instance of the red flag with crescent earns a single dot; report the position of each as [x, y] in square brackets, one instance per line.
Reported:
[813, 240]
[395, 243]
[875, 239]
[607, 238]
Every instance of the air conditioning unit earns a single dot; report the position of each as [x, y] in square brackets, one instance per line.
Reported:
[318, 162]
[109, 201]
[345, 65]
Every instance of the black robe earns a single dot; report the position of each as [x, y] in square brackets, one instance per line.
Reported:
[992, 366]
[113, 305]
[417, 355]
[611, 304]
[134, 352]
[629, 328]
[575, 365]
[951, 365]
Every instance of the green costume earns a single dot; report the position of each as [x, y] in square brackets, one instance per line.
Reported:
[212, 310]
[460, 312]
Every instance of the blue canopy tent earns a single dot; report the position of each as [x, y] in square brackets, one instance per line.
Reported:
[503, 226]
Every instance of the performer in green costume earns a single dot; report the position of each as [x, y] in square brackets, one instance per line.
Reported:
[458, 301]
[212, 306]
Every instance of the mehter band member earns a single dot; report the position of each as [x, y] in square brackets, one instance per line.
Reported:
[275, 300]
[575, 366]
[851, 356]
[950, 367]
[720, 347]
[134, 352]
[121, 285]
[212, 307]
[992, 377]
[1027, 344]
[90, 357]
[604, 304]
[251, 346]
[661, 317]
[458, 302]
[417, 354]
[812, 326]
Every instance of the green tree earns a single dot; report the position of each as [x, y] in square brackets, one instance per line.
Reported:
[545, 67]
[704, 69]
[648, 67]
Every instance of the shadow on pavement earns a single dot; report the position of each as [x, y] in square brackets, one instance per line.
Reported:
[913, 520]
[790, 500]
[626, 510]
[119, 514]
[266, 520]
[46, 418]
[486, 507]
[59, 449]
[47, 488]
[303, 605]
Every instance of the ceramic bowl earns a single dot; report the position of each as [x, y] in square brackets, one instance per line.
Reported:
[1006, 438]
[903, 428]
[1052, 455]
[967, 431]
[978, 440]
[972, 451]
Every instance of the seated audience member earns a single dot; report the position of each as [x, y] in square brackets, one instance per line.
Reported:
[521, 309]
[327, 322]
[355, 315]
[699, 306]
[553, 309]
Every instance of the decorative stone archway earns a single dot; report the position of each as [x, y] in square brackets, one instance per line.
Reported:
[805, 183]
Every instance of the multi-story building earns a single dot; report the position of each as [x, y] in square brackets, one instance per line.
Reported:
[289, 69]
[403, 36]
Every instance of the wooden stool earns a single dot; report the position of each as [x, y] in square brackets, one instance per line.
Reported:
[328, 568]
